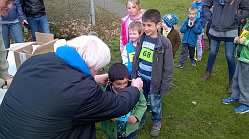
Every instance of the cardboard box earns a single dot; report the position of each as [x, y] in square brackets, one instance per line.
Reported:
[23, 51]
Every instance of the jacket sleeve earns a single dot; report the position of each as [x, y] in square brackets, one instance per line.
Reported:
[124, 56]
[207, 14]
[184, 26]
[140, 107]
[135, 60]
[197, 28]
[100, 106]
[177, 40]
[20, 10]
[244, 9]
[167, 67]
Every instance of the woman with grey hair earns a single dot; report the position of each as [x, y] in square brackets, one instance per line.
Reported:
[57, 96]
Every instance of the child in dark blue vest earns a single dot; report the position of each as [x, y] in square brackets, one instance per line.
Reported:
[135, 31]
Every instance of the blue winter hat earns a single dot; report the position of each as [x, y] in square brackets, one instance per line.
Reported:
[170, 19]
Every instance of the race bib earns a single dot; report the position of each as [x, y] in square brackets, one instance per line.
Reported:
[146, 54]
[131, 56]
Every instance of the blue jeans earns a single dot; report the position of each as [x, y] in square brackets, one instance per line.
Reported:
[229, 52]
[38, 24]
[14, 30]
[154, 101]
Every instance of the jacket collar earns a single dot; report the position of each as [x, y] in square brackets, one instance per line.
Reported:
[73, 59]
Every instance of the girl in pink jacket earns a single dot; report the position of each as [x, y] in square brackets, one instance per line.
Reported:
[134, 14]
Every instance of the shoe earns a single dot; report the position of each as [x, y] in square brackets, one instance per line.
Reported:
[206, 76]
[242, 109]
[193, 64]
[199, 59]
[229, 100]
[155, 130]
[180, 66]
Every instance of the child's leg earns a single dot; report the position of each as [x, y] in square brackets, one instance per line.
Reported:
[155, 100]
[146, 90]
[191, 53]
[235, 85]
[6, 35]
[16, 32]
[199, 53]
[184, 54]
[243, 79]
[199, 47]
[156, 108]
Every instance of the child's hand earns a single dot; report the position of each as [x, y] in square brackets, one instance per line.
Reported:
[191, 23]
[132, 119]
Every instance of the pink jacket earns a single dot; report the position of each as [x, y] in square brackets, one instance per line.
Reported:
[125, 21]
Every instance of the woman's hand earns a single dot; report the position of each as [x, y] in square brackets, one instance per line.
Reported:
[101, 79]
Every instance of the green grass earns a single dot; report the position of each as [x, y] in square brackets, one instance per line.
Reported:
[209, 118]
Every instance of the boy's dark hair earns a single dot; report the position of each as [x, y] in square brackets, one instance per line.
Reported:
[117, 71]
[136, 25]
[152, 15]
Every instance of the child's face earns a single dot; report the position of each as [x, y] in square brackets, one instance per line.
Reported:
[150, 28]
[119, 85]
[192, 15]
[133, 9]
[133, 35]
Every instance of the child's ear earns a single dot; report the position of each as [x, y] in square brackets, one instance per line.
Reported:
[159, 25]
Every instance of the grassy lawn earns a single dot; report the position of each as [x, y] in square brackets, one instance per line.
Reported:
[209, 118]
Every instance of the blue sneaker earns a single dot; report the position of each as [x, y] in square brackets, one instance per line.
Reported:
[229, 100]
[242, 109]
[193, 63]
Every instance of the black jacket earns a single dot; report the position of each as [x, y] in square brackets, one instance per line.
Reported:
[32, 8]
[50, 100]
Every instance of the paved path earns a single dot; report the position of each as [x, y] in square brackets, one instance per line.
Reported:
[113, 6]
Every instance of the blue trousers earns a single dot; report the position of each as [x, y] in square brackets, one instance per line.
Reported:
[38, 24]
[154, 101]
[14, 30]
[229, 52]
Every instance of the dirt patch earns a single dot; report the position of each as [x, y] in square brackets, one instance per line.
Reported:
[69, 18]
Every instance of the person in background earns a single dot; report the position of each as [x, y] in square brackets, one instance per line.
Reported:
[240, 87]
[5, 78]
[135, 13]
[198, 4]
[11, 26]
[135, 31]
[168, 30]
[57, 96]
[33, 15]
[225, 20]
[190, 28]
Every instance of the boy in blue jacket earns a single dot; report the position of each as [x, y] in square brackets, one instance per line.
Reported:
[190, 28]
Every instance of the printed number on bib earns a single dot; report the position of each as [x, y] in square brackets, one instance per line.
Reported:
[146, 54]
